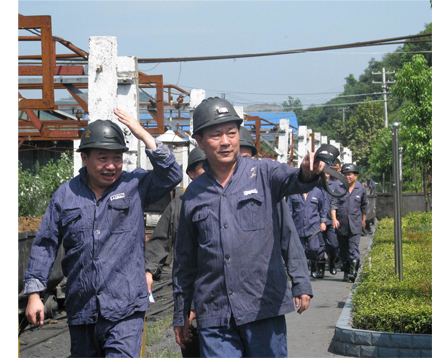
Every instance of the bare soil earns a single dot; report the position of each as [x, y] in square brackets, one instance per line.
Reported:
[29, 223]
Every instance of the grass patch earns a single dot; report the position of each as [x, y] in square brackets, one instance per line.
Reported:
[154, 334]
[383, 303]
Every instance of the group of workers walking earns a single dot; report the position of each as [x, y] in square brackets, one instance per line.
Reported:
[238, 225]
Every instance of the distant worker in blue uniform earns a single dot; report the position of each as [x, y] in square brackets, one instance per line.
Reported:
[98, 218]
[349, 219]
[310, 217]
[228, 254]
[329, 235]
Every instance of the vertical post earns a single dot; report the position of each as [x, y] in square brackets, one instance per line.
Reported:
[384, 86]
[283, 140]
[397, 201]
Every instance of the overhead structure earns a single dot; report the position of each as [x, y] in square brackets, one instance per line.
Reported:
[50, 71]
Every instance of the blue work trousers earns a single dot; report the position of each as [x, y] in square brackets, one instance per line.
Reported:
[108, 339]
[314, 247]
[349, 247]
[331, 241]
[263, 338]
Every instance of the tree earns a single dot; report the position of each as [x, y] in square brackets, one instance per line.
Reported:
[414, 86]
[361, 129]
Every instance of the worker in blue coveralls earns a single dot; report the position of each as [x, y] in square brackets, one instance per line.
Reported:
[310, 216]
[349, 218]
[329, 235]
[228, 253]
[98, 218]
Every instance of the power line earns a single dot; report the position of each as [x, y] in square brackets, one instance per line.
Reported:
[391, 41]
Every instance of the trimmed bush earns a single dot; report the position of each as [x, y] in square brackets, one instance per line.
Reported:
[383, 303]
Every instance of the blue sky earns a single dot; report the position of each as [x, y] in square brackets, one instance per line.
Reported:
[160, 29]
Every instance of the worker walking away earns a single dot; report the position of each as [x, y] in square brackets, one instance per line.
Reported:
[329, 235]
[310, 216]
[98, 218]
[228, 253]
[349, 219]
[159, 249]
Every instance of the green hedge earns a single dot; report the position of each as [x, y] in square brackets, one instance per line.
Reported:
[383, 303]
[36, 189]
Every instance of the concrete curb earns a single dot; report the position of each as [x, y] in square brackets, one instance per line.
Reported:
[351, 342]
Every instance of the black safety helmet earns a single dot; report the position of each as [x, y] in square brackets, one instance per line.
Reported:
[327, 153]
[103, 134]
[349, 168]
[196, 155]
[246, 140]
[214, 110]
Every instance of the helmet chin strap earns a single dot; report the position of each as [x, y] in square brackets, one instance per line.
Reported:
[328, 153]
[336, 175]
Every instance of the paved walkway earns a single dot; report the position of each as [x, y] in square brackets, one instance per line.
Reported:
[310, 334]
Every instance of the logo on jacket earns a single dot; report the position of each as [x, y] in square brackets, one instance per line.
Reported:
[117, 196]
[253, 172]
[248, 192]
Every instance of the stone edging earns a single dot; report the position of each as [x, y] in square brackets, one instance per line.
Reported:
[351, 342]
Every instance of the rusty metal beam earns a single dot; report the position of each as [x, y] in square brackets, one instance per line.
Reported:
[47, 49]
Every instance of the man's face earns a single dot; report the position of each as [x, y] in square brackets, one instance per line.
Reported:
[220, 144]
[351, 177]
[196, 171]
[103, 166]
[246, 152]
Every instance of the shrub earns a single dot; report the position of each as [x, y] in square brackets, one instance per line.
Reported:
[383, 303]
[36, 190]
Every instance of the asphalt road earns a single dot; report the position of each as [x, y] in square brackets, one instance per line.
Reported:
[310, 334]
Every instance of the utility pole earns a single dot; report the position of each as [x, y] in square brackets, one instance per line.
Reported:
[384, 85]
[344, 109]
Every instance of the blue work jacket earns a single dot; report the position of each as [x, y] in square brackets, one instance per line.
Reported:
[350, 209]
[229, 246]
[103, 240]
[329, 199]
[308, 214]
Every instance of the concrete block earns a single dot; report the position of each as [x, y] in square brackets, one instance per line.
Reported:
[426, 353]
[339, 347]
[369, 351]
[401, 340]
[422, 342]
[381, 339]
[408, 353]
[363, 338]
[353, 350]
[387, 352]
[347, 335]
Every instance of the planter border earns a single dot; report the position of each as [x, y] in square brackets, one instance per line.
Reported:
[351, 342]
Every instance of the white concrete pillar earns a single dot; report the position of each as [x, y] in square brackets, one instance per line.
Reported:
[301, 143]
[128, 100]
[283, 140]
[105, 70]
[323, 139]
[317, 141]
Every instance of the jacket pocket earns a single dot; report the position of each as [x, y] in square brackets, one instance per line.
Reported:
[252, 212]
[204, 226]
[118, 216]
[72, 227]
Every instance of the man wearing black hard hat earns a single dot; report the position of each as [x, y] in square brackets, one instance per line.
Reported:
[98, 218]
[228, 252]
[349, 218]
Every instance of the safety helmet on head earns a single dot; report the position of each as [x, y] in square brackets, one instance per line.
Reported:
[246, 140]
[102, 134]
[214, 110]
[196, 155]
[349, 168]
